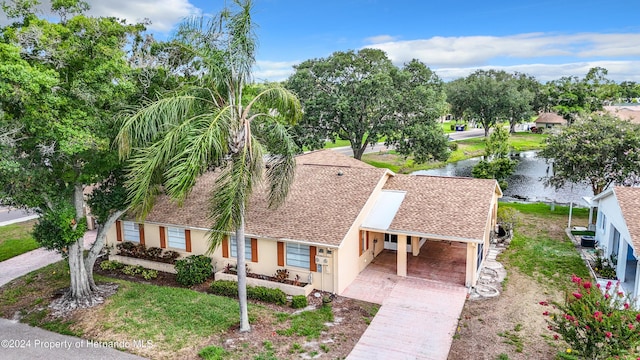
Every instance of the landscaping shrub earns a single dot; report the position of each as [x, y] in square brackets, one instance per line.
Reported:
[154, 253]
[596, 324]
[111, 265]
[453, 146]
[132, 270]
[148, 274]
[275, 296]
[230, 289]
[224, 288]
[170, 256]
[299, 302]
[194, 269]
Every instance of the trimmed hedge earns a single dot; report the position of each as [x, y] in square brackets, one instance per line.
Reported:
[299, 302]
[230, 289]
[192, 270]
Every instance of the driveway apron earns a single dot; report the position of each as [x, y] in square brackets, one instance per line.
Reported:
[417, 319]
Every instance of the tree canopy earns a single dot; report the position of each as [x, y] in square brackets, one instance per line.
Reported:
[362, 97]
[62, 84]
[572, 97]
[492, 96]
[599, 150]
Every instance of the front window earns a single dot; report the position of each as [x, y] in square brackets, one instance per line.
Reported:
[298, 255]
[247, 248]
[131, 231]
[176, 238]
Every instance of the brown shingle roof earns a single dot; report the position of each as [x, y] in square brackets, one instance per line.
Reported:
[550, 118]
[320, 208]
[631, 113]
[447, 206]
[629, 200]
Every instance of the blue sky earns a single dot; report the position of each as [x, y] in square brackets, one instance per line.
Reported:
[547, 39]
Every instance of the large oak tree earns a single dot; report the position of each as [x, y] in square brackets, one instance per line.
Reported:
[363, 98]
[62, 85]
[599, 150]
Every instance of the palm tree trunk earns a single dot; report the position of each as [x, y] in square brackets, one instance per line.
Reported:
[242, 276]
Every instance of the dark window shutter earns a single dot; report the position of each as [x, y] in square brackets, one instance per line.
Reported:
[254, 250]
[119, 230]
[141, 231]
[280, 253]
[187, 239]
[312, 258]
[163, 238]
[225, 247]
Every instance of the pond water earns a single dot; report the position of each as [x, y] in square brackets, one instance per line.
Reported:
[526, 183]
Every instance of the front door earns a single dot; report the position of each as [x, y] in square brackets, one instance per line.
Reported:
[391, 242]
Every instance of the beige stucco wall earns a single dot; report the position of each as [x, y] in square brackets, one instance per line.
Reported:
[267, 255]
[349, 258]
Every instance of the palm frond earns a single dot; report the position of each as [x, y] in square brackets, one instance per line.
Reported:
[280, 102]
[145, 125]
[227, 200]
[205, 147]
[281, 163]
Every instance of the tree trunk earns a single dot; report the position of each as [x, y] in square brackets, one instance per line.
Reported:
[242, 275]
[80, 286]
[97, 246]
[486, 131]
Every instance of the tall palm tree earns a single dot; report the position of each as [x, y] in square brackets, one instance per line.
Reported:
[209, 125]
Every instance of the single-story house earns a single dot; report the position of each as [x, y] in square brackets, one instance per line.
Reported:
[625, 112]
[340, 214]
[549, 120]
[618, 233]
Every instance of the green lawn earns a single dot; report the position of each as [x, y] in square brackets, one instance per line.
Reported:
[467, 148]
[541, 249]
[544, 210]
[15, 239]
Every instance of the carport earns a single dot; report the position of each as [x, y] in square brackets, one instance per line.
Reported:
[442, 238]
[438, 260]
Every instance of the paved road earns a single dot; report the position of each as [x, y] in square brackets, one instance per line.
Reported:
[458, 135]
[20, 341]
[9, 215]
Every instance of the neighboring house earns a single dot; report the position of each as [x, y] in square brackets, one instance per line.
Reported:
[549, 120]
[340, 214]
[625, 112]
[618, 232]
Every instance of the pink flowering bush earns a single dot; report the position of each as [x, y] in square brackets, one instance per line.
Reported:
[595, 323]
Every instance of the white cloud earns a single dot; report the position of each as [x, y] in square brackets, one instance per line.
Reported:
[477, 50]
[454, 57]
[273, 70]
[380, 39]
[618, 70]
[164, 14]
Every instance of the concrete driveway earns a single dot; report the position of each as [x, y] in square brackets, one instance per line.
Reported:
[417, 319]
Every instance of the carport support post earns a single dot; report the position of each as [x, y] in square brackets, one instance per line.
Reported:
[401, 266]
[415, 246]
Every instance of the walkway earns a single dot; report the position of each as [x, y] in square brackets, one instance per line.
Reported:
[33, 260]
[36, 343]
[417, 319]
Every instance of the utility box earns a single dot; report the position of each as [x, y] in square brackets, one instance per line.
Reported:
[587, 241]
